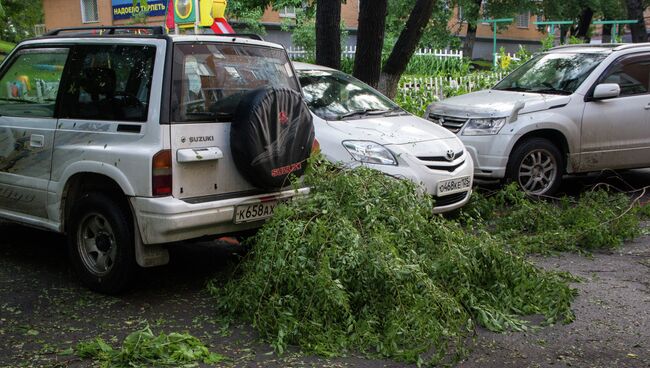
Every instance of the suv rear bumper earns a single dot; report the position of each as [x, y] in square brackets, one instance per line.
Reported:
[168, 219]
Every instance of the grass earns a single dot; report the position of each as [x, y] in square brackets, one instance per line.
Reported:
[6, 47]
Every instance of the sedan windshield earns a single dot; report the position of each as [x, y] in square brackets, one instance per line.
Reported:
[555, 73]
[333, 95]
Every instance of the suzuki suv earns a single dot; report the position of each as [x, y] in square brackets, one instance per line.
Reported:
[573, 109]
[127, 139]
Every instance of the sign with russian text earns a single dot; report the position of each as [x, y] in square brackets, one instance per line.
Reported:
[124, 9]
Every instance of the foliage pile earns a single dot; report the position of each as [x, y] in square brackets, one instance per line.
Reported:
[361, 264]
[596, 220]
[143, 349]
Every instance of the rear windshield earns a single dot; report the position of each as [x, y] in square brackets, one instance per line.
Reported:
[209, 79]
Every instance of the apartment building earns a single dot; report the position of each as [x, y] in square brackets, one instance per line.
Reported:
[75, 13]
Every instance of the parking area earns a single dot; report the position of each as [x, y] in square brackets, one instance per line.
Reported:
[44, 310]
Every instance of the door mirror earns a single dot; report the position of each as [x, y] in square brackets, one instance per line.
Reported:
[606, 90]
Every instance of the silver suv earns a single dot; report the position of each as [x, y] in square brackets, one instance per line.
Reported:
[127, 139]
[572, 109]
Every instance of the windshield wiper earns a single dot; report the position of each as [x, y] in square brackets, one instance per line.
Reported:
[364, 112]
[516, 89]
[18, 100]
[552, 90]
[209, 115]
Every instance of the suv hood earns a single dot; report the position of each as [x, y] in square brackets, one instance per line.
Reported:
[496, 103]
[391, 129]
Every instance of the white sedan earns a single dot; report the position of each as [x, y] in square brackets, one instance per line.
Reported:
[357, 125]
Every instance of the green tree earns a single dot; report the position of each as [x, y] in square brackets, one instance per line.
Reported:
[18, 18]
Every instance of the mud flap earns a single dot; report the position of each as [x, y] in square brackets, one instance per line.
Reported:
[150, 255]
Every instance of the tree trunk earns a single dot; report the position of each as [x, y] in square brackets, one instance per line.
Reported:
[607, 33]
[582, 30]
[635, 11]
[470, 40]
[370, 40]
[473, 13]
[328, 33]
[405, 47]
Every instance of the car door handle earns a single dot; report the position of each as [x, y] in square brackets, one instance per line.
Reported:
[198, 154]
[36, 140]
[647, 107]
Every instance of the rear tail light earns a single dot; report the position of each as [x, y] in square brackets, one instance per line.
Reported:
[161, 173]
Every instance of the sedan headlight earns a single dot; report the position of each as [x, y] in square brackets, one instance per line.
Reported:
[484, 126]
[370, 152]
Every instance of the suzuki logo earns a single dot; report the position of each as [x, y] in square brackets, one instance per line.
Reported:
[450, 154]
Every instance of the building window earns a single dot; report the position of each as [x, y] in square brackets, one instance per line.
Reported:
[89, 13]
[523, 19]
[288, 12]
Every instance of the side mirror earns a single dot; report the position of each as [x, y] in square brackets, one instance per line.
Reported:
[606, 90]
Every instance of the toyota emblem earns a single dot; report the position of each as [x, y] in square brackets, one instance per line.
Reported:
[450, 154]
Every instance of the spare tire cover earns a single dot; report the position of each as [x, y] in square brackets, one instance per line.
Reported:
[271, 136]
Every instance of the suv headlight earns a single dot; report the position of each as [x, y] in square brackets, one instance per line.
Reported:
[484, 126]
[370, 152]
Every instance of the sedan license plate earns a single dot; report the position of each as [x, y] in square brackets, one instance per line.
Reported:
[254, 211]
[454, 185]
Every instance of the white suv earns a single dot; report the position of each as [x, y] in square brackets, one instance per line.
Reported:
[127, 139]
[572, 109]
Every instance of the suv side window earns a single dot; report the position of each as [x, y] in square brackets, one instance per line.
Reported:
[631, 74]
[109, 82]
[30, 85]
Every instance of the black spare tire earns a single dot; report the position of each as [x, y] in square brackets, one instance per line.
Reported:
[271, 136]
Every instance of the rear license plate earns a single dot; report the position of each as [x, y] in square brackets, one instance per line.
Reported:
[254, 211]
[454, 185]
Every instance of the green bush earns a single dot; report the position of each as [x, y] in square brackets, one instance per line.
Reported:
[362, 265]
[438, 66]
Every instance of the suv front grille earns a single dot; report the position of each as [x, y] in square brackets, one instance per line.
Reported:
[449, 199]
[452, 123]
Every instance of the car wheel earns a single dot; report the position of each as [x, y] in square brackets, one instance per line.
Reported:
[537, 166]
[101, 243]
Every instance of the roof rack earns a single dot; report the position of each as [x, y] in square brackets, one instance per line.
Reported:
[155, 30]
[632, 45]
[252, 36]
[594, 45]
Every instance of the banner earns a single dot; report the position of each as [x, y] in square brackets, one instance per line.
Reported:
[124, 9]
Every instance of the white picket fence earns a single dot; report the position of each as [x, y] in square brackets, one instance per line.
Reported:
[436, 88]
[296, 52]
[497, 56]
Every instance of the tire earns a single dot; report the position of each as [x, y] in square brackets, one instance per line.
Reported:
[537, 166]
[271, 136]
[101, 243]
